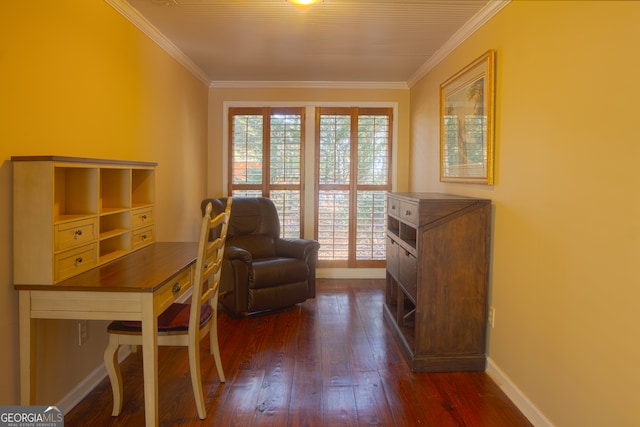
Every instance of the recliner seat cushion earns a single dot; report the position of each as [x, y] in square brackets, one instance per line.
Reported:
[271, 272]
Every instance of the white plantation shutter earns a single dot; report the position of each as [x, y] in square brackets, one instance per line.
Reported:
[266, 160]
[353, 164]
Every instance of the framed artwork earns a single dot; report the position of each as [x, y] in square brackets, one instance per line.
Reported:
[467, 110]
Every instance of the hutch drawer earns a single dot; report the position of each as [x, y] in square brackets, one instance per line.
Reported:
[74, 233]
[75, 261]
[142, 236]
[141, 217]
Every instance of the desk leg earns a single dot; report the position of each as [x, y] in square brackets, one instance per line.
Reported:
[28, 333]
[150, 359]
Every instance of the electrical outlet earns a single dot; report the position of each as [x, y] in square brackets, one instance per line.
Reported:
[492, 317]
[83, 332]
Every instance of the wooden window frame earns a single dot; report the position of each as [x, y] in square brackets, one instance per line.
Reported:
[266, 187]
[353, 187]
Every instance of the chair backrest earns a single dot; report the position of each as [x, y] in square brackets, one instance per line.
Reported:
[210, 251]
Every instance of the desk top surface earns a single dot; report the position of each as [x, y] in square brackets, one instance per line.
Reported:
[144, 270]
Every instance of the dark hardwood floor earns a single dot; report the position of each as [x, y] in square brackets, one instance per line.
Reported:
[330, 361]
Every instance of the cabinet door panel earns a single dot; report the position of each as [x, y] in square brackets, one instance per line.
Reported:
[393, 251]
[409, 274]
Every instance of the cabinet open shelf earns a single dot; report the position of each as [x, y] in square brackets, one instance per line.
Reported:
[115, 189]
[142, 187]
[104, 235]
[73, 192]
[114, 242]
[408, 234]
[393, 225]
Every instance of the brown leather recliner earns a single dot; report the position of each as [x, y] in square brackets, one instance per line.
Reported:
[262, 271]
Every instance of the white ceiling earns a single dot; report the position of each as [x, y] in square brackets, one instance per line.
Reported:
[372, 42]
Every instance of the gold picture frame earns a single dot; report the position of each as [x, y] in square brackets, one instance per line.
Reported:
[467, 110]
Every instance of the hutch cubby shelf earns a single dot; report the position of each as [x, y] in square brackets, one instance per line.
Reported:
[72, 214]
[437, 278]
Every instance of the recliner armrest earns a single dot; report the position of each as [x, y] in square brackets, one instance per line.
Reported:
[235, 253]
[296, 248]
[237, 278]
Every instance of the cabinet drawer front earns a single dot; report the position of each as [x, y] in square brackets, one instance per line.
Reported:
[143, 236]
[393, 250]
[409, 273]
[141, 217]
[393, 207]
[409, 212]
[173, 290]
[76, 233]
[74, 261]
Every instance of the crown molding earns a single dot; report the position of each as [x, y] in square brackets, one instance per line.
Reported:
[477, 21]
[308, 85]
[133, 16]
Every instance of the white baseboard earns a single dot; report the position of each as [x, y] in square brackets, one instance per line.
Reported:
[80, 391]
[516, 395]
[350, 273]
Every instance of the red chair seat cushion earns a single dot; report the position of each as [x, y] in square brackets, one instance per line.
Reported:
[173, 319]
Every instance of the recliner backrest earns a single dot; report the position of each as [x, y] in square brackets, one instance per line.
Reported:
[254, 215]
[251, 216]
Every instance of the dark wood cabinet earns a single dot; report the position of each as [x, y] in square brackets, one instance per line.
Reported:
[438, 254]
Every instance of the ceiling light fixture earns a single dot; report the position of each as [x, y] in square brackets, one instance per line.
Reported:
[304, 4]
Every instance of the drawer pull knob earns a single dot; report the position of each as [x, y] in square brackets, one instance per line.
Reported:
[176, 288]
[407, 212]
[77, 234]
[144, 217]
[393, 207]
[143, 237]
[78, 260]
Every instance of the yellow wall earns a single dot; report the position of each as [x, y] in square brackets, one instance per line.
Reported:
[565, 282]
[308, 96]
[77, 79]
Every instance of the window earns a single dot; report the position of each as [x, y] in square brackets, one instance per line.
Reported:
[353, 153]
[351, 171]
[266, 159]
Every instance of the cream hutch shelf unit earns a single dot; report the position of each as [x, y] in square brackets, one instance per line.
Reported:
[72, 214]
[437, 277]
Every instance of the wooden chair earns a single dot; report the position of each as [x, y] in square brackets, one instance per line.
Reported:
[182, 324]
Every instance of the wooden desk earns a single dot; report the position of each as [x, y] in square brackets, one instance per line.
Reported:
[138, 286]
